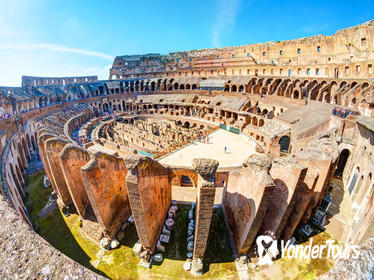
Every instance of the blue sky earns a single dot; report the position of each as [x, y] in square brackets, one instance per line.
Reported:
[82, 37]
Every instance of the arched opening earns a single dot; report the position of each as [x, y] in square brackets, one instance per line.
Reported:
[15, 179]
[19, 175]
[353, 180]
[186, 181]
[341, 163]
[357, 189]
[284, 143]
[261, 123]
[20, 151]
[33, 142]
[187, 125]
[296, 94]
[254, 121]
[26, 150]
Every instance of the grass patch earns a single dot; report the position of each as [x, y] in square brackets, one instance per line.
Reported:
[52, 228]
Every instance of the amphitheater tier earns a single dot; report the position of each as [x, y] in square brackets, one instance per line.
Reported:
[277, 135]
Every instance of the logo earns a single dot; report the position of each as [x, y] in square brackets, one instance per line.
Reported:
[267, 250]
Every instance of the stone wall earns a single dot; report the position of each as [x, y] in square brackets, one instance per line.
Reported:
[104, 177]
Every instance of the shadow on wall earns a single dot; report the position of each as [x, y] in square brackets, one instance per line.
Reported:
[240, 213]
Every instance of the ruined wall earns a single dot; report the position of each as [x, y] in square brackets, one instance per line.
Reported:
[72, 158]
[287, 176]
[344, 54]
[105, 181]
[52, 149]
[246, 200]
[149, 193]
[206, 190]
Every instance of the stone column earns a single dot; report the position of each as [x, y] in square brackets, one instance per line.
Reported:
[149, 194]
[206, 169]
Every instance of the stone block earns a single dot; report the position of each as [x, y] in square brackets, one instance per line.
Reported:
[137, 249]
[164, 238]
[165, 230]
[197, 267]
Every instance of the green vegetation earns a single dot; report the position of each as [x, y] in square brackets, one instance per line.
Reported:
[53, 228]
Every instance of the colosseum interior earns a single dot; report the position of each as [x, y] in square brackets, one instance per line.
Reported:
[205, 149]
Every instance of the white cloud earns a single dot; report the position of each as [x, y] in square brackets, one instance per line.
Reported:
[57, 48]
[225, 20]
[101, 72]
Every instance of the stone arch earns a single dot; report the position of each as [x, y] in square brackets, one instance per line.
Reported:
[15, 179]
[284, 143]
[261, 122]
[342, 161]
[20, 152]
[33, 142]
[183, 172]
[357, 188]
[26, 149]
[29, 142]
[19, 174]
[366, 189]
[353, 179]
[254, 121]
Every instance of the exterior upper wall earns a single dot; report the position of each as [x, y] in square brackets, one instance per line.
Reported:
[62, 81]
[323, 56]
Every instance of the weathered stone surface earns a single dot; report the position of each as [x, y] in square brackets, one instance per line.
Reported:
[206, 168]
[114, 244]
[258, 163]
[105, 243]
[187, 266]
[354, 268]
[26, 255]
[197, 267]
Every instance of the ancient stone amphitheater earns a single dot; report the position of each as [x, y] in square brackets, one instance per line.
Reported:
[279, 135]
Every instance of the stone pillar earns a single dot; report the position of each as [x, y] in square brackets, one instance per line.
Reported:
[72, 158]
[104, 177]
[246, 199]
[301, 204]
[53, 147]
[40, 141]
[206, 170]
[149, 194]
[288, 176]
